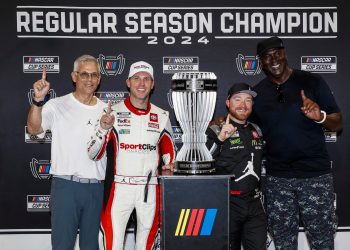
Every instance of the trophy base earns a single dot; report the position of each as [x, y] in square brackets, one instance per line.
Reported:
[194, 167]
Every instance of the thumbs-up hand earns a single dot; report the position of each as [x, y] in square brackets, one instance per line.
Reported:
[107, 119]
[227, 129]
[310, 109]
[41, 87]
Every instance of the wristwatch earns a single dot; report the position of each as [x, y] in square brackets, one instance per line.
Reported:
[39, 104]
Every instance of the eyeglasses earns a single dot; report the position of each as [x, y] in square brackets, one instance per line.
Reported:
[280, 96]
[85, 75]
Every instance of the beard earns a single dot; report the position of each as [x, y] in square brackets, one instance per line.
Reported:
[241, 116]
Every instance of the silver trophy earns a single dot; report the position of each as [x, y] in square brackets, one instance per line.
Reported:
[194, 98]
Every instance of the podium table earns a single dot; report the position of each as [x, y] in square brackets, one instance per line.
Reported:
[195, 212]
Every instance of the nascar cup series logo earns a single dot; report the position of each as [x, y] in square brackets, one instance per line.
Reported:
[172, 64]
[248, 65]
[111, 65]
[113, 97]
[40, 169]
[330, 136]
[50, 95]
[319, 64]
[28, 138]
[38, 203]
[35, 64]
[177, 134]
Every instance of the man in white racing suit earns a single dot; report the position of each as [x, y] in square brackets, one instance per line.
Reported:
[137, 138]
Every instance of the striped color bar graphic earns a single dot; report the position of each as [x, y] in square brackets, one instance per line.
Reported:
[249, 64]
[196, 222]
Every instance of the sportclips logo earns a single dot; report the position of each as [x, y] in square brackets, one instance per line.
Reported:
[196, 222]
[137, 147]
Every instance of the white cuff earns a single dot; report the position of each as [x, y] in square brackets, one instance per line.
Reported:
[100, 132]
[324, 117]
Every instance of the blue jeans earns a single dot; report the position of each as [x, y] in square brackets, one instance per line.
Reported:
[313, 199]
[75, 205]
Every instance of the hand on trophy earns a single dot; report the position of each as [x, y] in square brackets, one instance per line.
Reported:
[227, 129]
[41, 87]
[107, 120]
[169, 166]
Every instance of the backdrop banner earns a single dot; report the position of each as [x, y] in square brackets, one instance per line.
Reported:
[172, 36]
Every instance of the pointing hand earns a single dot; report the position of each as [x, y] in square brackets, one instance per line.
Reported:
[41, 87]
[227, 129]
[310, 109]
[107, 119]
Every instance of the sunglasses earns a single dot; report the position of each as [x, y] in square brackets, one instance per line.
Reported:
[280, 96]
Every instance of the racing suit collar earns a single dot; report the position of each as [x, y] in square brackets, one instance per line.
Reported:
[235, 124]
[135, 110]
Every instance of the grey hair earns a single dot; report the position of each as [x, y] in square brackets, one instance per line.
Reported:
[85, 59]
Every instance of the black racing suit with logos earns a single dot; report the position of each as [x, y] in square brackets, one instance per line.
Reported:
[240, 156]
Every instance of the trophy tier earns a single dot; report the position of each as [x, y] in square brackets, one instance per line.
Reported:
[194, 81]
[194, 167]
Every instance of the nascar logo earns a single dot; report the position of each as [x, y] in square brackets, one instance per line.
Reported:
[248, 65]
[111, 65]
[177, 134]
[40, 169]
[35, 64]
[173, 64]
[113, 97]
[28, 138]
[196, 222]
[180, 59]
[320, 64]
[38, 203]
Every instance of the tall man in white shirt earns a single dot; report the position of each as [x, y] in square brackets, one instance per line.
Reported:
[76, 189]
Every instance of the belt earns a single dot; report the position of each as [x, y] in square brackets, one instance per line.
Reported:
[78, 179]
[136, 180]
[252, 194]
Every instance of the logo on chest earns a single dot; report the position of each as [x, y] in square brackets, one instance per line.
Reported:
[236, 141]
[153, 118]
[123, 114]
[123, 122]
[124, 131]
[255, 134]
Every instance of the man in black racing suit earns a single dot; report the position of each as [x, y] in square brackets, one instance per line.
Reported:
[237, 147]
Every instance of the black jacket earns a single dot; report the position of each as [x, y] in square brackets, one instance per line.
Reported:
[239, 156]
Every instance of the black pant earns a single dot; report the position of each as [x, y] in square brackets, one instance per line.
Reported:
[248, 224]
